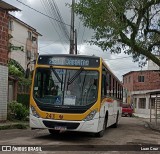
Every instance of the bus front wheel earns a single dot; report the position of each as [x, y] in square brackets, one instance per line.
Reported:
[101, 133]
[115, 125]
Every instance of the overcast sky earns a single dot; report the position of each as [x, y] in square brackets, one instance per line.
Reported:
[54, 41]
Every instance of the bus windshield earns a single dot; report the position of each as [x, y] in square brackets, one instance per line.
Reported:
[67, 87]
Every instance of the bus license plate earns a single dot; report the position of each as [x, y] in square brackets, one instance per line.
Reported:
[60, 128]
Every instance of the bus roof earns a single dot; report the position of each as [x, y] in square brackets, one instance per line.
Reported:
[70, 55]
[111, 71]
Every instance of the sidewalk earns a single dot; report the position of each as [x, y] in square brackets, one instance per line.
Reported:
[152, 125]
[14, 125]
[146, 119]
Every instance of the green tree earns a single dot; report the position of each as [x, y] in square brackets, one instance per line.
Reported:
[132, 26]
[13, 70]
[16, 70]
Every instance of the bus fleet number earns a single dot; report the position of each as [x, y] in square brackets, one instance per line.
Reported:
[50, 116]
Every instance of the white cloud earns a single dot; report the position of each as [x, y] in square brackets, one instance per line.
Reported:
[31, 2]
[121, 64]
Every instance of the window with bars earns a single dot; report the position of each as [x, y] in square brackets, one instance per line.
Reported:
[29, 35]
[135, 102]
[142, 103]
[140, 78]
[10, 25]
[152, 102]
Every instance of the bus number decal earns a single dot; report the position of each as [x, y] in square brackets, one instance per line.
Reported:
[50, 116]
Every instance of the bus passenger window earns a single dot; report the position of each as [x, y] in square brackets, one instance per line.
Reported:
[113, 83]
[104, 86]
[109, 85]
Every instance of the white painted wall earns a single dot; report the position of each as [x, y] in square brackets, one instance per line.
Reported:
[145, 111]
[20, 37]
[20, 34]
[152, 65]
[3, 92]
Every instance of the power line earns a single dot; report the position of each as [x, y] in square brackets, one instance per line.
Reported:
[92, 48]
[64, 28]
[52, 9]
[46, 45]
[118, 58]
[45, 7]
[79, 25]
[28, 45]
[42, 13]
[122, 68]
[110, 59]
[82, 38]
[131, 69]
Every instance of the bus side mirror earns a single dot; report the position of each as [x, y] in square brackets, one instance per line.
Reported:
[27, 73]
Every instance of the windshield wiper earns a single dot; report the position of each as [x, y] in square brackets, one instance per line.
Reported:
[75, 76]
[55, 73]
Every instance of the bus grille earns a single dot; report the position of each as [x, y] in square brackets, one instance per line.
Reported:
[68, 125]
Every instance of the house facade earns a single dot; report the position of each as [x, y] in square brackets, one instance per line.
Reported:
[23, 42]
[137, 86]
[4, 18]
[152, 65]
[23, 48]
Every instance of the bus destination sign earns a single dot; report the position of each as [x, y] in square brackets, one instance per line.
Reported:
[69, 61]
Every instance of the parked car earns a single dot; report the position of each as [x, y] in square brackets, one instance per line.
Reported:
[127, 110]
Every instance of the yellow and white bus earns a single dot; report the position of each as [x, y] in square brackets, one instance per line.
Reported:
[74, 93]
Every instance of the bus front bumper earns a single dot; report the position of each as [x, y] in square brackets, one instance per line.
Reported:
[82, 126]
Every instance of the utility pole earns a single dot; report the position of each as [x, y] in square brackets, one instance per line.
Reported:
[76, 41]
[72, 29]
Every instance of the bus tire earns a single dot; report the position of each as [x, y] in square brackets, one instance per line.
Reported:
[115, 125]
[101, 133]
[53, 132]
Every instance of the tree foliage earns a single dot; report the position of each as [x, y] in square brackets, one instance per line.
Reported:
[16, 71]
[132, 26]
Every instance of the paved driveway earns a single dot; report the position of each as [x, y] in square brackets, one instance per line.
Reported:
[131, 131]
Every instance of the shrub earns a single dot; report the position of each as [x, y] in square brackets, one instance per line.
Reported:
[17, 111]
[23, 99]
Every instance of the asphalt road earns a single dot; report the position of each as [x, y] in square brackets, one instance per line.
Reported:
[130, 131]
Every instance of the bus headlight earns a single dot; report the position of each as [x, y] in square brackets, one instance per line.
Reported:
[34, 112]
[91, 115]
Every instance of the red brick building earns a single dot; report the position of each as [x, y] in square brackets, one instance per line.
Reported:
[138, 85]
[4, 16]
[142, 80]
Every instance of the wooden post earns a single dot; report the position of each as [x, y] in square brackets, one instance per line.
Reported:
[15, 89]
[156, 110]
[150, 108]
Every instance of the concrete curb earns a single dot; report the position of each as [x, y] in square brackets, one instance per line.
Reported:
[17, 125]
[152, 126]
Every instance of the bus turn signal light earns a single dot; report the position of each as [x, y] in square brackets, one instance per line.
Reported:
[34, 112]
